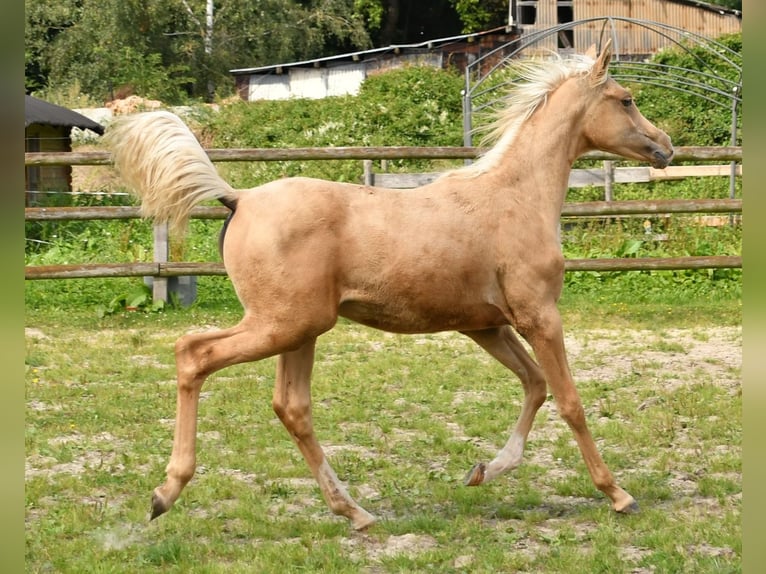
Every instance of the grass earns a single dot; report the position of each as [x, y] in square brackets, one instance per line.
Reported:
[402, 419]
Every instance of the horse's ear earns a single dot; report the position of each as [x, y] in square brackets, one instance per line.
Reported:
[591, 52]
[601, 67]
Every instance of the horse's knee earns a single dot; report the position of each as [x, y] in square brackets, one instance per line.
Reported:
[184, 352]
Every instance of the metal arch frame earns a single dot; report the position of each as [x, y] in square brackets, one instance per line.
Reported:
[704, 83]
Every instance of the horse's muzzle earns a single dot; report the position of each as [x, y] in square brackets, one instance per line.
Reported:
[662, 159]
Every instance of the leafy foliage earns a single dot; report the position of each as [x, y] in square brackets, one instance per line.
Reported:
[168, 50]
[410, 106]
[164, 49]
[687, 116]
[479, 15]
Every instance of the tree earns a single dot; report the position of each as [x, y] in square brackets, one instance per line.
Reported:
[734, 4]
[176, 49]
[44, 22]
[165, 48]
[478, 15]
[251, 33]
[406, 21]
[98, 45]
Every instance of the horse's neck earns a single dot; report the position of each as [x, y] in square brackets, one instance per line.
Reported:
[537, 164]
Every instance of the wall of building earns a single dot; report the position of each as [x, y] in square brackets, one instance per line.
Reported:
[321, 78]
[536, 15]
[46, 178]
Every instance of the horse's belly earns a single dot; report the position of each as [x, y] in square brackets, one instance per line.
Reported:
[408, 318]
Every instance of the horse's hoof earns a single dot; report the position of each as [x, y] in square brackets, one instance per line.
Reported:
[475, 476]
[631, 508]
[158, 506]
[362, 522]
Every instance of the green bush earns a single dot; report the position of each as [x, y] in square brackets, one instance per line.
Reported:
[412, 106]
[688, 118]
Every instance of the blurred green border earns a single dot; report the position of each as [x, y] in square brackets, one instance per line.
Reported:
[754, 301]
[12, 290]
[12, 228]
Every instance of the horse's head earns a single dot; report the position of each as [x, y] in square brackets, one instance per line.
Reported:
[613, 122]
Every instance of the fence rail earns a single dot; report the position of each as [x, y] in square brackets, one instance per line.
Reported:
[573, 209]
[163, 269]
[101, 270]
[604, 177]
[110, 212]
[682, 154]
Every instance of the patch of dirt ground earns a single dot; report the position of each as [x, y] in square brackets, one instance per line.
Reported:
[604, 355]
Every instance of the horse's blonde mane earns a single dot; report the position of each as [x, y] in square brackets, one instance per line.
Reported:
[535, 80]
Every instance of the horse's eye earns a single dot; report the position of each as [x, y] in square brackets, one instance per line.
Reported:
[627, 102]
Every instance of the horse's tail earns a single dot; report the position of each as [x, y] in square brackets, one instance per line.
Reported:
[162, 162]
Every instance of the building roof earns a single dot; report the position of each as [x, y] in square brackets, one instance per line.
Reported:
[37, 111]
[367, 54]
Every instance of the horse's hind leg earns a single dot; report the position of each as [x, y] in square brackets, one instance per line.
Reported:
[504, 346]
[292, 403]
[197, 356]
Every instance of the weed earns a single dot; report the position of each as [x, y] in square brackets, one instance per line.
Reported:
[666, 346]
[165, 552]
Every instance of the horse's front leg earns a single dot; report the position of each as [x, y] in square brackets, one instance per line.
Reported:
[504, 346]
[292, 403]
[546, 337]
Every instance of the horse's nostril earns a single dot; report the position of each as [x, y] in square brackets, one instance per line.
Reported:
[661, 160]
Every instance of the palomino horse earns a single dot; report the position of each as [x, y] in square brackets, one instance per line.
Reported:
[476, 251]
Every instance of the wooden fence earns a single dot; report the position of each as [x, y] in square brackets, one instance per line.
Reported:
[605, 176]
[683, 154]
[161, 268]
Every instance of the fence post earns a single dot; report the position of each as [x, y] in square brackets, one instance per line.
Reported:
[467, 109]
[367, 167]
[733, 164]
[608, 179]
[161, 253]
